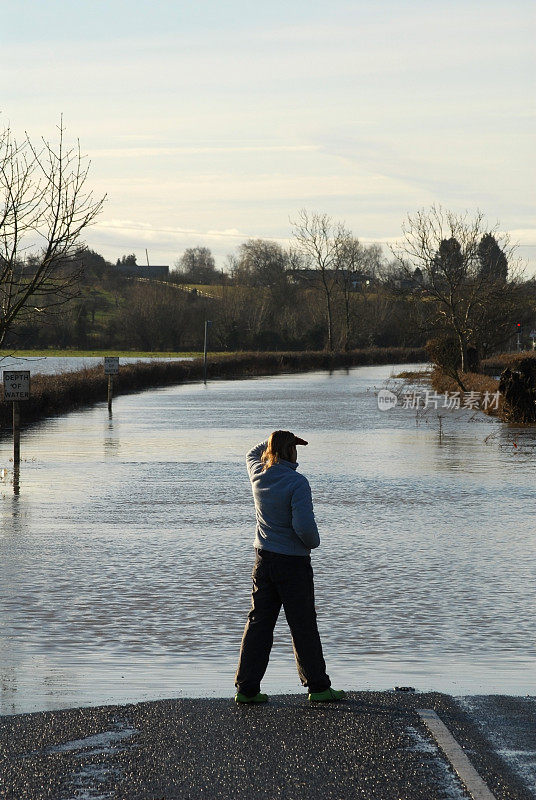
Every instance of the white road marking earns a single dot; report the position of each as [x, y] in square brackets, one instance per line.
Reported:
[461, 764]
[450, 784]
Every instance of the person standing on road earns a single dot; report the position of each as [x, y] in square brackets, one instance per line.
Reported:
[282, 575]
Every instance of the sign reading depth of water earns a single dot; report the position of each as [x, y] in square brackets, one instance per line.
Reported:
[17, 385]
[111, 365]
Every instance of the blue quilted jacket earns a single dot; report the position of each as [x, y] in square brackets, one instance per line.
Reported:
[283, 506]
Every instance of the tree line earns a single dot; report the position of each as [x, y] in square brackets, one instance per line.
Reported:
[451, 280]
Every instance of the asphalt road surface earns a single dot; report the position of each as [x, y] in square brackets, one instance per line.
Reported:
[372, 746]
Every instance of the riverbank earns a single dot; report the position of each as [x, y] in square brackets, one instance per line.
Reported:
[57, 353]
[495, 364]
[482, 382]
[473, 382]
[58, 394]
[373, 745]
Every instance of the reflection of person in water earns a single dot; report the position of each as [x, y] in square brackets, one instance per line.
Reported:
[282, 576]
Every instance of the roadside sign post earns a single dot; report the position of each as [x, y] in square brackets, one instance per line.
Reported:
[111, 368]
[16, 388]
[207, 325]
[16, 433]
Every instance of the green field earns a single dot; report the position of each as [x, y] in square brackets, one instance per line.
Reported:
[93, 354]
[101, 353]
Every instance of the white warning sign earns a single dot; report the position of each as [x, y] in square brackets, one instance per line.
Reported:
[17, 385]
[111, 365]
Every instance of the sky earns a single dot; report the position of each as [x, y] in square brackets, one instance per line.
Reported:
[208, 123]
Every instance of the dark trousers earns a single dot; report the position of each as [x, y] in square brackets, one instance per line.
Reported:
[286, 581]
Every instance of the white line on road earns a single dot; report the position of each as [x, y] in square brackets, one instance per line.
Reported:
[461, 764]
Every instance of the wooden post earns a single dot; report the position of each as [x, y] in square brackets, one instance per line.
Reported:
[205, 357]
[110, 391]
[16, 433]
[16, 447]
[207, 323]
[16, 480]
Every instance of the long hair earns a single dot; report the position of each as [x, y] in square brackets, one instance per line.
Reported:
[279, 447]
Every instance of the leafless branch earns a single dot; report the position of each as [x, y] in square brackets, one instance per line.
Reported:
[44, 208]
[440, 252]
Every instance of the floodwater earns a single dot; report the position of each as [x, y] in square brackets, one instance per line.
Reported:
[126, 558]
[51, 365]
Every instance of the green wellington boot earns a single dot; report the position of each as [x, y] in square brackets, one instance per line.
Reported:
[257, 698]
[327, 696]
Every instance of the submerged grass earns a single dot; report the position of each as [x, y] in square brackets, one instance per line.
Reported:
[473, 382]
[57, 394]
[422, 376]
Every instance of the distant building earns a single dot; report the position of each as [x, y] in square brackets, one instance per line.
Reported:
[406, 284]
[155, 271]
[355, 278]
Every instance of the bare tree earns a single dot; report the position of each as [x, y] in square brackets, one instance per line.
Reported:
[358, 267]
[320, 240]
[197, 265]
[349, 251]
[260, 262]
[439, 252]
[44, 207]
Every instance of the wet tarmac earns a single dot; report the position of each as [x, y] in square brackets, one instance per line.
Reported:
[372, 746]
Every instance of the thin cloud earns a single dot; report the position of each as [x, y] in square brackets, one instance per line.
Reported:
[136, 152]
[147, 230]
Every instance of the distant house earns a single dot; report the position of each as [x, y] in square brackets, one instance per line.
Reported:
[409, 285]
[155, 271]
[355, 279]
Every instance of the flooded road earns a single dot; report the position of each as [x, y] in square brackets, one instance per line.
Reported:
[126, 558]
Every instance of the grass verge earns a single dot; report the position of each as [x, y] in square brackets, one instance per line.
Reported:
[496, 364]
[92, 354]
[473, 381]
